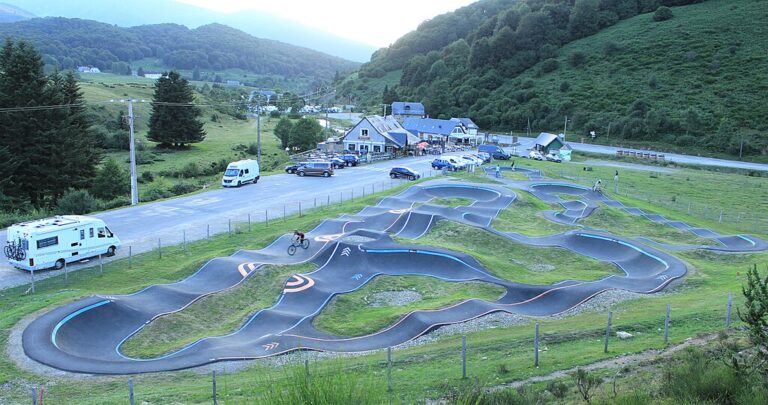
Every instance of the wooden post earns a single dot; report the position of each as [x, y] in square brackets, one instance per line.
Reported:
[130, 256]
[249, 222]
[666, 327]
[33, 391]
[728, 312]
[389, 369]
[66, 272]
[101, 265]
[536, 346]
[130, 392]
[159, 248]
[266, 218]
[32, 276]
[299, 209]
[208, 231]
[607, 331]
[463, 357]
[229, 226]
[184, 239]
[215, 400]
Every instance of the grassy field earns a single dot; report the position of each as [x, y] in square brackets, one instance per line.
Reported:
[217, 314]
[494, 356]
[355, 314]
[451, 202]
[516, 262]
[525, 216]
[619, 222]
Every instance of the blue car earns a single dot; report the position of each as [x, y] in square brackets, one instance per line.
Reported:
[444, 163]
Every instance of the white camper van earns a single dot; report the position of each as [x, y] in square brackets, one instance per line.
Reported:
[51, 242]
[241, 172]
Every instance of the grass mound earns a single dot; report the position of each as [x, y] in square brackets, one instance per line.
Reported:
[353, 314]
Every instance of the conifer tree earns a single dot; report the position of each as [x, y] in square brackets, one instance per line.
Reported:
[174, 120]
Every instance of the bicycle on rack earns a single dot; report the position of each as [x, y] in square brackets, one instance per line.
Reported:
[14, 251]
[296, 242]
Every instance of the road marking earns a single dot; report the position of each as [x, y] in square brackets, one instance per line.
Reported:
[271, 346]
[346, 251]
[299, 283]
[357, 276]
[246, 268]
[328, 238]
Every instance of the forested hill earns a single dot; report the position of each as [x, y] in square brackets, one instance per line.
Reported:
[691, 74]
[66, 43]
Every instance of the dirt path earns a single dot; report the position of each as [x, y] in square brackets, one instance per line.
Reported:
[614, 363]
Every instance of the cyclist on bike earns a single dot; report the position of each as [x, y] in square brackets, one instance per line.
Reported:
[298, 236]
[598, 186]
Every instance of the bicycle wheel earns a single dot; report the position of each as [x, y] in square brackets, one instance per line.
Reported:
[21, 255]
[305, 244]
[291, 250]
[8, 251]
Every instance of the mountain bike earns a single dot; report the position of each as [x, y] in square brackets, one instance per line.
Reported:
[295, 243]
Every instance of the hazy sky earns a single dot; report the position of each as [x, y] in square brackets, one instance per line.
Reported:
[377, 23]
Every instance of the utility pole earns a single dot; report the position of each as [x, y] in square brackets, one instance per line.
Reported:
[741, 146]
[134, 181]
[565, 126]
[258, 130]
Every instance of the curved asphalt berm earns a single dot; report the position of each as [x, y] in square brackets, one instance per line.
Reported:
[86, 335]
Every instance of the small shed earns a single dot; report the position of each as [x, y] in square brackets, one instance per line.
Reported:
[547, 142]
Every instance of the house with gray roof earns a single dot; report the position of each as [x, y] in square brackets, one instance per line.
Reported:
[379, 134]
[440, 132]
[469, 125]
[402, 110]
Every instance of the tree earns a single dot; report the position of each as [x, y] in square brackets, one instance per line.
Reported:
[283, 131]
[755, 316]
[305, 134]
[662, 13]
[584, 19]
[196, 74]
[140, 72]
[77, 202]
[174, 119]
[111, 181]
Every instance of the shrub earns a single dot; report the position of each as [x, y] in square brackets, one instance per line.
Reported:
[558, 389]
[549, 65]
[111, 181]
[564, 87]
[191, 169]
[585, 383]
[662, 13]
[77, 202]
[611, 48]
[113, 203]
[577, 58]
[253, 148]
[147, 177]
[182, 187]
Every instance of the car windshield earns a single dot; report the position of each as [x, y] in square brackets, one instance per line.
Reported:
[231, 172]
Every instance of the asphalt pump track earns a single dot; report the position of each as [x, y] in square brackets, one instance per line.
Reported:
[86, 336]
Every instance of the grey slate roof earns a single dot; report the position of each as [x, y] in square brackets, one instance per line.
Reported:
[430, 126]
[407, 108]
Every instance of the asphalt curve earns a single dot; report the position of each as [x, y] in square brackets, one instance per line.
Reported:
[86, 336]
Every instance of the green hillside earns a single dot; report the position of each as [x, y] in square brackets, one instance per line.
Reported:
[67, 43]
[694, 81]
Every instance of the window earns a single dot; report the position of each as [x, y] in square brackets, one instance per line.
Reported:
[377, 148]
[43, 243]
[246, 171]
[82, 234]
[364, 133]
[351, 146]
[102, 234]
[90, 233]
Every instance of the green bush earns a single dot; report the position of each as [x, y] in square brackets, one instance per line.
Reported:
[77, 202]
[102, 205]
[549, 65]
[182, 187]
[111, 181]
[662, 13]
[147, 177]
[577, 58]
[253, 148]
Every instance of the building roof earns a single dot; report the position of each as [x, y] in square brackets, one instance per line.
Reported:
[430, 126]
[545, 139]
[407, 108]
[467, 122]
[389, 128]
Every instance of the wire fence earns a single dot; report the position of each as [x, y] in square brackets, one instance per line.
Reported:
[388, 371]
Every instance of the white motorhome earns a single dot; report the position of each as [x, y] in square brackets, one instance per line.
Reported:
[241, 172]
[52, 242]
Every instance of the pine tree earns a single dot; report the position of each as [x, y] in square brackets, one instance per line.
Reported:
[177, 123]
[111, 181]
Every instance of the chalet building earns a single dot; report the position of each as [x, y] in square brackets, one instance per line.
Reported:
[441, 132]
[379, 134]
[403, 110]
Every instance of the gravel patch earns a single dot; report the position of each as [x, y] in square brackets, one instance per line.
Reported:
[600, 303]
[392, 298]
[357, 239]
[542, 268]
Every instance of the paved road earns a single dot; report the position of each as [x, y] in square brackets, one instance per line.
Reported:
[172, 220]
[527, 143]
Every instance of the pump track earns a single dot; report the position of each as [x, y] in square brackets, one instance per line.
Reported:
[86, 336]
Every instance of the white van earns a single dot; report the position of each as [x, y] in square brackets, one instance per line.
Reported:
[241, 172]
[51, 242]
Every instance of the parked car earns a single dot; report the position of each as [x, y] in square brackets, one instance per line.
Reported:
[338, 163]
[442, 163]
[472, 160]
[402, 172]
[291, 169]
[495, 151]
[350, 160]
[536, 155]
[483, 155]
[324, 169]
[553, 157]
[459, 163]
